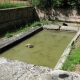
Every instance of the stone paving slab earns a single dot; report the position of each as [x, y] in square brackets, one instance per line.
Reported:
[51, 27]
[58, 27]
[16, 70]
[69, 28]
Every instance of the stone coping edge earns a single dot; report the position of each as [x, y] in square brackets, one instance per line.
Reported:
[16, 70]
[66, 52]
[68, 48]
[19, 36]
[57, 27]
[16, 8]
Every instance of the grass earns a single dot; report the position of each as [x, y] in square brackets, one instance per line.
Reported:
[10, 5]
[48, 22]
[72, 59]
[26, 27]
[8, 35]
[21, 29]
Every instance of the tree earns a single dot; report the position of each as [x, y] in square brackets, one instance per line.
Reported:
[41, 3]
[55, 3]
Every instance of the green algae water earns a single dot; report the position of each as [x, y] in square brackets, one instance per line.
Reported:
[48, 47]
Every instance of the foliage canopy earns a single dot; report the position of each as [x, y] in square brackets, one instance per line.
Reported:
[55, 3]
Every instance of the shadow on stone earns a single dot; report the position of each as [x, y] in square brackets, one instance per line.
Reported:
[63, 75]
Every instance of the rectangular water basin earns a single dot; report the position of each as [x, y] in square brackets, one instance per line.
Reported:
[48, 47]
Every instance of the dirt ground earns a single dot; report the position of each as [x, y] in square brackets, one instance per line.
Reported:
[77, 68]
[78, 42]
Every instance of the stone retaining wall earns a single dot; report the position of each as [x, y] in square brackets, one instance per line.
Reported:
[15, 17]
[59, 14]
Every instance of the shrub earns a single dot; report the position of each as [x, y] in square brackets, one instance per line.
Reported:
[10, 5]
[55, 3]
[41, 3]
[8, 35]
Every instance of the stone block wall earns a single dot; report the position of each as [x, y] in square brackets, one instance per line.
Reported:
[15, 17]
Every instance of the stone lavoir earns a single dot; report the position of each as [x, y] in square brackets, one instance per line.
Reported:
[43, 53]
[13, 69]
[17, 70]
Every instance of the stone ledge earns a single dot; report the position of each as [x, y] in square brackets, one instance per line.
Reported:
[55, 27]
[68, 48]
[69, 28]
[66, 52]
[19, 36]
[58, 27]
[16, 70]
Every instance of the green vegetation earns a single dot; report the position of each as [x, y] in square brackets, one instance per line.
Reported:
[55, 3]
[28, 26]
[10, 5]
[48, 22]
[72, 59]
[45, 3]
[8, 35]
[21, 29]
